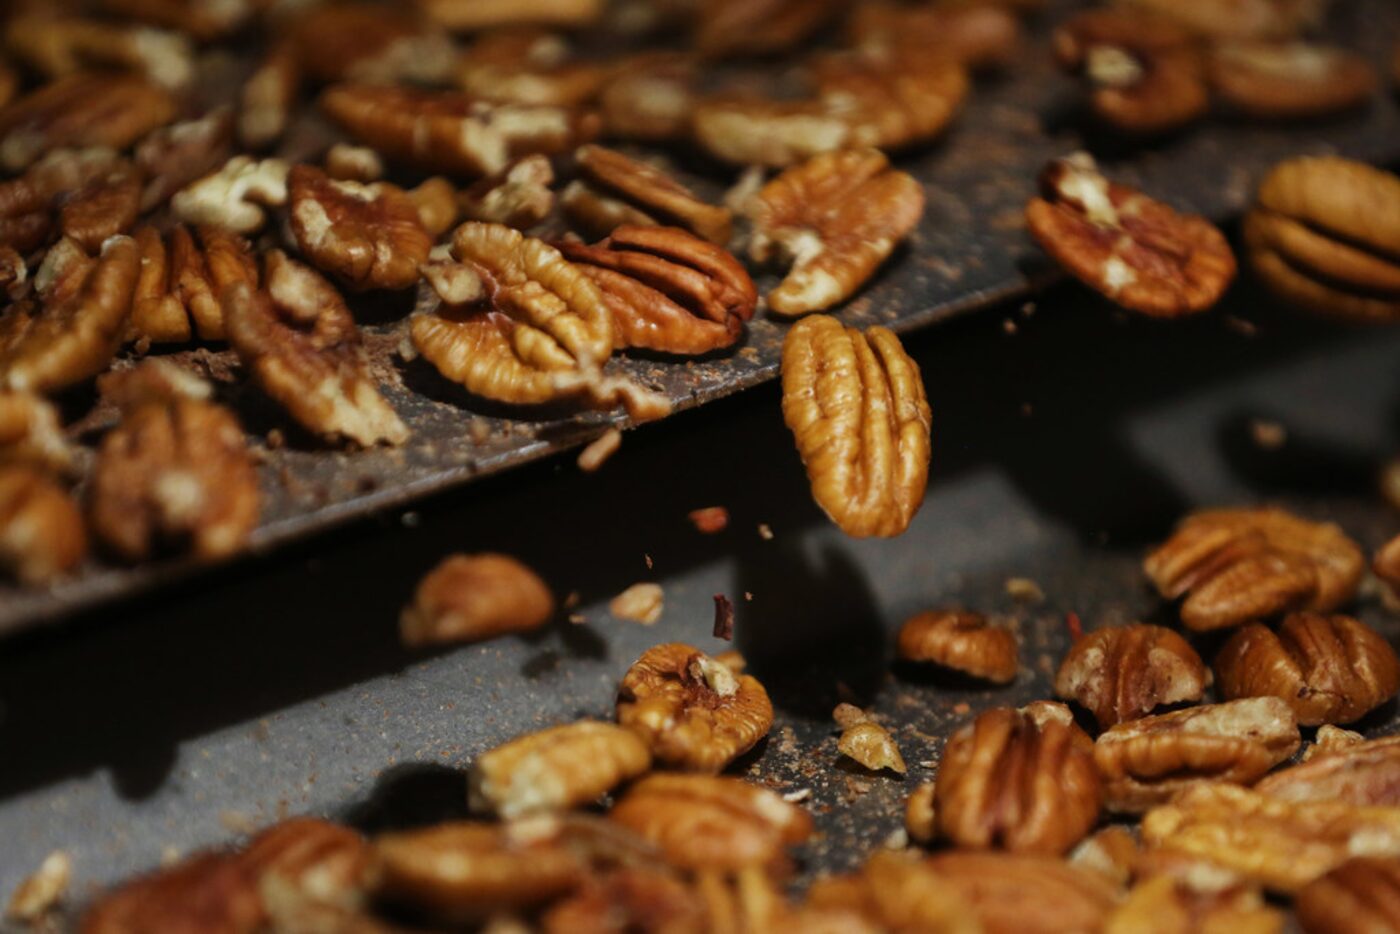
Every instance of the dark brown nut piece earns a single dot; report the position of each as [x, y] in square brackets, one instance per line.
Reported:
[856, 407]
[666, 289]
[449, 132]
[1365, 772]
[376, 43]
[960, 640]
[480, 15]
[704, 822]
[1283, 845]
[299, 341]
[1290, 80]
[1361, 896]
[837, 217]
[1138, 252]
[1121, 673]
[1007, 781]
[1012, 893]
[759, 27]
[80, 327]
[177, 292]
[1147, 73]
[201, 20]
[57, 46]
[1321, 237]
[268, 96]
[650, 97]
[1111, 853]
[866, 742]
[27, 202]
[895, 891]
[977, 36]
[102, 208]
[692, 711]
[41, 528]
[84, 110]
[609, 175]
[368, 236]
[556, 769]
[1145, 762]
[234, 197]
[527, 66]
[469, 598]
[13, 271]
[1329, 669]
[518, 197]
[173, 156]
[1240, 19]
[628, 900]
[35, 898]
[1165, 905]
[1236, 565]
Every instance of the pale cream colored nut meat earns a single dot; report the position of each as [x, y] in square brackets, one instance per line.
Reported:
[477, 15]
[651, 97]
[102, 207]
[436, 201]
[519, 196]
[41, 891]
[1011, 782]
[182, 279]
[268, 96]
[866, 742]
[1017, 893]
[173, 156]
[759, 27]
[895, 891]
[235, 196]
[1239, 19]
[608, 175]
[80, 326]
[692, 711]
[961, 640]
[1145, 762]
[556, 769]
[1120, 673]
[201, 20]
[705, 822]
[41, 528]
[836, 218]
[469, 598]
[31, 433]
[374, 43]
[1111, 853]
[1137, 252]
[299, 341]
[83, 110]
[1165, 905]
[1361, 896]
[980, 36]
[528, 66]
[367, 236]
[1237, 565]
[1357, 771]
[856, 407]
[1292, 80]
[1329, 669]
[58, 45]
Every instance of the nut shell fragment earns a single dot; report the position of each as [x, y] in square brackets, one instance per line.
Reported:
[960, 640]
[469, 598]
[1121, 673]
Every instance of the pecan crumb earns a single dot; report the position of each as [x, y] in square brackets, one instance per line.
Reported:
[599, 450]
[709, 520]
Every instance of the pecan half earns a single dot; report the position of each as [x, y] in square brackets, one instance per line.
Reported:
[1136, 251]
[1361, 896]
[1236, 565]
[667, 290]
[837, 217]
[1363, 772]
[1165, 905]
[1121, 673]
[1009, 781]
[865, 742]
[629, 900]
[1239, 19]
[651, 96]
[856, 407]
[1320, 237]
[377, 43]
[30, 433]
[182, 279]
[1017, 892]
[1290, 80]
[518, 196]
[41, 528]
[79, 111]
[468, 598]
[173, 156]
[693, 711]
[614, 186]
[527, 66]
[476, 15]
[759, 27]
[895, 891]
[1145, 762]
[1329, 669]
[301, 345]
[961, 640]
[979, 36]
[705, 822]
[57, 46]
[234, 197]
[103, 207]
[266, 100]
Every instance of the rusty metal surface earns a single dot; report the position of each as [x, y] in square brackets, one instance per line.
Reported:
[970, 251]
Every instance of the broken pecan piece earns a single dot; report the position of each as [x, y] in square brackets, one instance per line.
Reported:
[41, 528]
[1365, 772]
[961, 640]
[1290, 80]
[518, 197]
[1121, 673]
[182, 279]
[103, 207]
[1361, 896]
[865, 742]
[234, 197]
[1019, 892]
[1237, 565]
[300, 342]
[608, 176]
[1166, 905]
[856, 407]
[694, 712]
[469, 598]
[1329, 669]
[82, 110]
[527, 66]
[30, 433]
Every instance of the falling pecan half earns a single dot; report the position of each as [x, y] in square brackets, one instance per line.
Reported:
[519, 196]
[41, 528]
[1293, 80]
[1363, 772]
[613, 185]
[82, 110]
[528, 66]
[961, 640]
[1120, 673]
[1169, 905]
[1329, 669]
[856, 407]
[301, 345]
[1361, 896]
[1237, 565]
[469, 598]
[1136, 251]
[182, 279]
[979, 36]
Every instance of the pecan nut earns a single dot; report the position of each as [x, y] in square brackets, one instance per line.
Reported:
[201, 20]
[650, 97]
[1239, 19]
[469, 598]
[1019, 892]
[1138, 252]
[1145, 762]
[30, 433]
[978, 36]
[1329, 669]
[1290, 80]
[837, 217]
[173, 156]
[267, 98]
[1111, 853]
[1168, 905]
[692, 711]
[41, 528]
[57, 46]
[27, 202]
[182, 279]
[895, 892]
[866, 742]
[960, 640]
[527, 66]
[234, 197]
[1121, 673]
[376, 43]
[300, 342]
[1009, 781]
[518, 197]
[1236, 565]
[103, 207]
[643, 191]
[1365, 772]
[856, 407]
[1360, 895]
[83, 110]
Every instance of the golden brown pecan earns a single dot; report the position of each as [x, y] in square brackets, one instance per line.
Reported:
[81, 325]
[301, 345]
[1136, 251]
[173, 156]
[1013, 893]
[1290, 80]
[234, 197]
[1329, 669]
[450, 132]
[527, 66]
[518, 196]
[1121, 673]
[103, 207]
[977, 36]
[57, 46]
[436, 201]
[1239, 19]
[704, 822]
[759, 27]
[855, 404]
[921, 813]
[1008, 781]
[961, 640]
[1235, 565]
[476, 15]
[608, 176]
[1111, 853]
[556, 769]
[1145, 762]
[82, 110]
[30, 433]
[468, 598]
[1163, 905]
[1356, 771]
[268, 96]
[182, 279]
[202, 20]
[865, 741]
[377, 43]
[629, 900]
[693, 711]
[650, 97]
[666, 289]
[898, 892]
[41, 529]
[1321, 236]
[837, 217]
[367, 236]
[1361, 896]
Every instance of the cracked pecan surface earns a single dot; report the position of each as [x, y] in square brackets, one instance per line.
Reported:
[183, 276]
